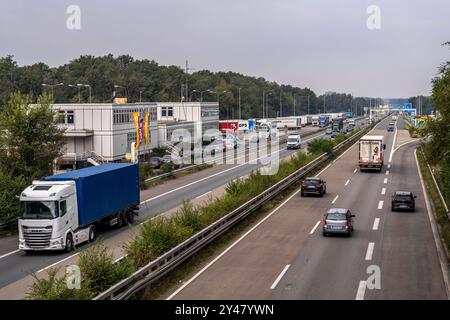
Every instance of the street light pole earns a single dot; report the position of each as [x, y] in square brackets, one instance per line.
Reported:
[240, 115]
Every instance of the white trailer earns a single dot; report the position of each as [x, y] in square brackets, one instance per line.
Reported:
[371, 153]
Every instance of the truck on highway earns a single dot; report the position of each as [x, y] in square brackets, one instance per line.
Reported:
[324, 120]
[337, 124]
[315, 121]
[64, 210]
[349, 114]
[294, 141]
[371, 153]
[294, 123]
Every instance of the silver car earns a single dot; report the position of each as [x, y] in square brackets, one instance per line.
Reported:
[339, 221]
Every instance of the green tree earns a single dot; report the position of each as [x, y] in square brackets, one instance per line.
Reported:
[438, 130]
[30, 140]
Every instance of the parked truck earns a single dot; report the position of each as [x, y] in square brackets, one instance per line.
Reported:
[64, 210]
[371, 153]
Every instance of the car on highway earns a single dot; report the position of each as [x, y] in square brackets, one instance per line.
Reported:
[155, 162]
[329, 131]
[313, 185]
[391, 126]
[334, 134]
[403, 200]
[338, 221]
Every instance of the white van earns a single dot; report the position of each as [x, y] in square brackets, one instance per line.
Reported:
[294, 141]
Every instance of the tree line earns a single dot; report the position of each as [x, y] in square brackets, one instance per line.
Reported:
[145, 80]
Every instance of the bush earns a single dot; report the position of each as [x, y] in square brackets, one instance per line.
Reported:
[55, 288]
[145, 171]
[188, 217]
[159, 151]
[98, 270]
[10, 187]
[339, 138]
[167, 167]
[320, 146]
[157, 237]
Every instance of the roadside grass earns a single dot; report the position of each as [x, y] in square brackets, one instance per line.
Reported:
[441, 216]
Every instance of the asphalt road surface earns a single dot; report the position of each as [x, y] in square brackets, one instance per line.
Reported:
[286, 257]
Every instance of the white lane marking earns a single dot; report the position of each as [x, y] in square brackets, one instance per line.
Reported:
[315, 227]
[347, 182]
[383, 191]
[274, 284]
[376, 223]
[410, 141]
[393, 145]
[58, 262]
[230, 247]
[389, 166]
[361, 290]
[380, 204]
[369, 251]
[216, 174]
[334, 200]
[385, 180]
[354, 171]
[203, 195]
[437, 240]
[9, 253]
[387, 172]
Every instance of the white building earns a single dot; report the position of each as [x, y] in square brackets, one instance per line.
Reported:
[104, 131]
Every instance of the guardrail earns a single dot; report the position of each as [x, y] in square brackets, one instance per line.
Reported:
[170, 260]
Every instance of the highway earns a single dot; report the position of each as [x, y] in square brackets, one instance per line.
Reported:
[285, 256]
[16, 265]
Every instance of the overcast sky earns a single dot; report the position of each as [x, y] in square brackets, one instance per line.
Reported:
[322, 44]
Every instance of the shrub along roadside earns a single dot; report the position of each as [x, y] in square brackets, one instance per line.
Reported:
[441, 216]
[97, 270]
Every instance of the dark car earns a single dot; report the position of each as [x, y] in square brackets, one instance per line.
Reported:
[313, 185]
[339, 221]
[155, 162]
[390, 127]
[334, 134]
[403, 200]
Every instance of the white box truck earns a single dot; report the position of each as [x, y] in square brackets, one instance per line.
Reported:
[371, 153]
[294, 141]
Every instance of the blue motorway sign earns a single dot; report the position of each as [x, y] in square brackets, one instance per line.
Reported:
[401, 105]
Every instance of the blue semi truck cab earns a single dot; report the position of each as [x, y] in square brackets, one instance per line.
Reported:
[61, 211]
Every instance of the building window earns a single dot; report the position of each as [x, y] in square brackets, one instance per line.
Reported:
[66, 116]
[70, 117]
[167, 111]
[61, 117]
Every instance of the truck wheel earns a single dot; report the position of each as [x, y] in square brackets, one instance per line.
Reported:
[69, 243]
[92, 234]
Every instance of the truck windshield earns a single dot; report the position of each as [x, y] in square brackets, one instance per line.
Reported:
[293, 140]
[39, 209]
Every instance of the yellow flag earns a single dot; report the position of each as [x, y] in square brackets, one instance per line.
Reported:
[146, 129]
[136, 125]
